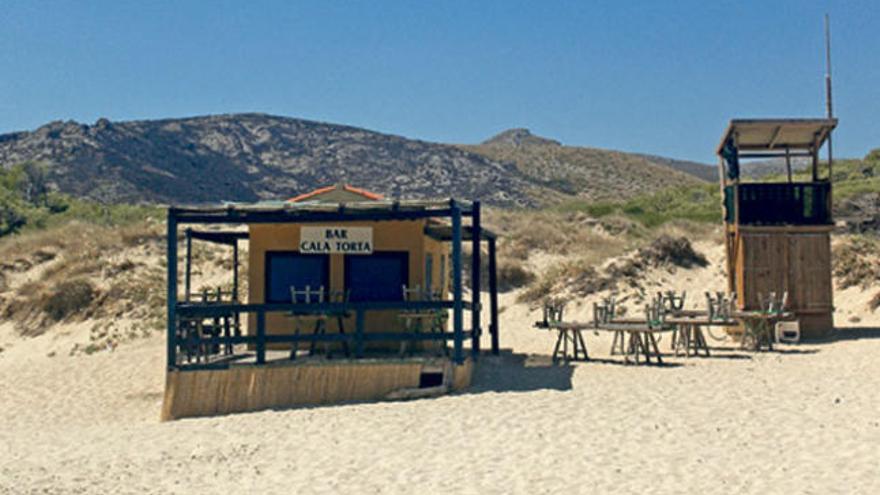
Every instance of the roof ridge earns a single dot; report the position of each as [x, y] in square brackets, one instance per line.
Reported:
[343, 187]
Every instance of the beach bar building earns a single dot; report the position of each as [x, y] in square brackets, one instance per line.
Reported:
[350, 297]
[778, 233]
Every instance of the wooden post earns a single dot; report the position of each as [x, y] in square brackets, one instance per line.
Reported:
[261, 337]
[476, 234]
[815, 152]
[359, 333]
[828, 105]
[736, 182]
[457, 309]
[493, 298]
[171, 296]
[188, 277]
[788, 163]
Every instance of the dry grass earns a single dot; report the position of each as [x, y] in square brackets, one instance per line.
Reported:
[582, 244]
[68, 298]
[588, 173]
[83, 271]
[113, 276]
[856, 262]
[511, 273]
[524, 233]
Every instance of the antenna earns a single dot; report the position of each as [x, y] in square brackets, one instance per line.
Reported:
[828, 106]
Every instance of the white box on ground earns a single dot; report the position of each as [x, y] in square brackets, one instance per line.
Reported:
[788, 332]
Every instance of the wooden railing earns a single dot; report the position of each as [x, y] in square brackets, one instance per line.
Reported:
[259, 340]
[781, 203]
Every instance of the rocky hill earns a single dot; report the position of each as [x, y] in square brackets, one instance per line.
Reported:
[587, 173]
[247, 157]
[708, 173]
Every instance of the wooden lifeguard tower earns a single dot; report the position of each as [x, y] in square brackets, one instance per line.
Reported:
[777, 233]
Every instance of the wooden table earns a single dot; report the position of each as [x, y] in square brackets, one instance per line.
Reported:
[687, 337]
[567, 333]
[638, 341]
[635, 340]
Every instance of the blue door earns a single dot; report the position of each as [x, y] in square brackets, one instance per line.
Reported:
[286, 269]
[377, 277]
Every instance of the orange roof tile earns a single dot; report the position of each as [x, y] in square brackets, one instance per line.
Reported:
[345, 187]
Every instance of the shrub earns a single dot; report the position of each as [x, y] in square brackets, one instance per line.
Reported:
[513, 275]
[68, 298]
[855, 263]
[667, 250]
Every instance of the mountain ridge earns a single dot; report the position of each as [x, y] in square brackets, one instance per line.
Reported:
[256, 156]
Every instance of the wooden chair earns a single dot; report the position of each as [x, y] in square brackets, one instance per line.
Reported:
[644, 343]
[340, 297]
[604, 313]
[191, 331]
[188, 335]
[317, 320]
[553, 314]
[416, 320]
[720, 305]
[225, 324]
[759, 332]
[672, 301]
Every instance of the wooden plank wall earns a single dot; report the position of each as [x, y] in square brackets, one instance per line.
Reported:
[788, 260]
[254, 388]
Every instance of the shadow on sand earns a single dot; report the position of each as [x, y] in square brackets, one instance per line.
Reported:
[511, 372]
[855, 333]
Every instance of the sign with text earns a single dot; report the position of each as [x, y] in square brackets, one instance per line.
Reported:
[335, 239]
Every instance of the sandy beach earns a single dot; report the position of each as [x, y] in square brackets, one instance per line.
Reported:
[800, 420]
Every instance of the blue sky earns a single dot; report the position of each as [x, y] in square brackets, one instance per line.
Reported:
[654, 77]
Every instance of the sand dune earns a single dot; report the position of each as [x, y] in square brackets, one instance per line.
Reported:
[801, 420]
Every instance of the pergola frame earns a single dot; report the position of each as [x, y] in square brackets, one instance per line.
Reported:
[312, 212]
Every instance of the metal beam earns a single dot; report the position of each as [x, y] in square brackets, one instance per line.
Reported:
[171, 295]
[475, 279]
[746, 155]
[188, 276]
[281, 216]
[458, 309]
[493, 299]
[218, 309]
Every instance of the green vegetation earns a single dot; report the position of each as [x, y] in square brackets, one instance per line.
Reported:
[27, 202]
[851, 177]
[856, 177]
[702, 203]
[697, 203]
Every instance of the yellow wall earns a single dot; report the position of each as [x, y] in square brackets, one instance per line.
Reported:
[387, 236]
